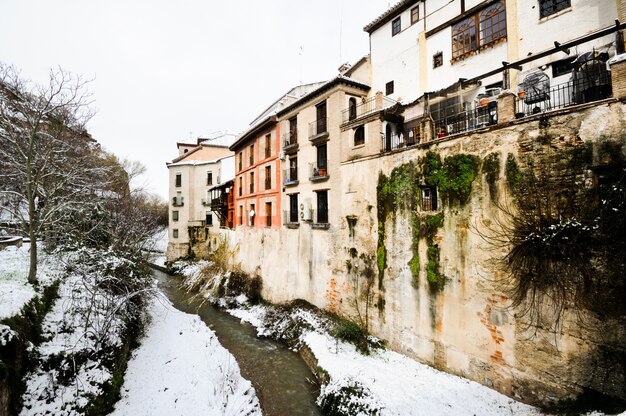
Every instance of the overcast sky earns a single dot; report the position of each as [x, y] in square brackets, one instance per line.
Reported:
[165, 71]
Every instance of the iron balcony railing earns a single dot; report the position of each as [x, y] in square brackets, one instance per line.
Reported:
[318, 126]
[573, 92]
[366, 107]
[466, 120]
[290, 175]
[318, 171]
[408, 138]
[290, 139]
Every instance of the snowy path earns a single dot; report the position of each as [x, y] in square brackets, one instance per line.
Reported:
[181, 369]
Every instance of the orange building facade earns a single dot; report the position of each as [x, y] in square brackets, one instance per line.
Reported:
[257, 176]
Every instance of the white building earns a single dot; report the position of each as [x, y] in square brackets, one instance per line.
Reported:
[198, 168]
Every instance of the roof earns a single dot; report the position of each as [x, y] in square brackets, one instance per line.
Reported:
[389, 15]
[180, 162]
[340, 79]
[269, 121]
[295, 93]
[357, 64]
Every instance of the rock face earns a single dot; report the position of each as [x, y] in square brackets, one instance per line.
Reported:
[435, 288]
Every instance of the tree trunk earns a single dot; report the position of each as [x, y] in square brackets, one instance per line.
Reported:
[32, 270]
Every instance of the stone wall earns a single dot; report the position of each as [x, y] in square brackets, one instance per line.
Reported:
[467, 327]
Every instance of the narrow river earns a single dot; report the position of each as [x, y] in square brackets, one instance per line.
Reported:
[284, 384]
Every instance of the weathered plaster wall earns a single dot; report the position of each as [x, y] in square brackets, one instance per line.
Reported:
[467, 327]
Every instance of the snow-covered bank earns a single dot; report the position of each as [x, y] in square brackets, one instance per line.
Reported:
[15, 291]
[181, 369]
[385, 382]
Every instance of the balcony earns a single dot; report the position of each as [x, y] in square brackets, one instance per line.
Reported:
[573, 92]
[291, 219]
[318, 131]
[290, 176]
[178, 201]
[321, 219]
[479, 117]
[290, 142]
[318, 173]
[366, 108]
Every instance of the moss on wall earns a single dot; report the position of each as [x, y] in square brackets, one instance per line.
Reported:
[491, 170]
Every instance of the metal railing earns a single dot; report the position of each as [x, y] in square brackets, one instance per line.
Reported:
[318, 171]
[290, 175]
[408, 138]
[318, 126]
[291, 217]
[290, 139]
[466, 120]
[366, 107]
[570, 93]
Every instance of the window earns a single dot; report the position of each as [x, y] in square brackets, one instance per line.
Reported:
[251, 154]
[268, 145]
[174, 215]
[240, 159]
[429, 199]
[268, 214]
[293, 170]
[352, 108]
[208, 218]
[359, 136]
[251, 215]
[395, 26]
[437, 59]
[550, 7]
[240, 186]
[268, 177]
[179, 180]
[415, 14]
[293, 208]
[322, 207]
[389, 88]
[293, 130]
[251, 182]
[240, 214]
[491, 24]
[175, 233]
[209, 178]
[321, 156]
[562, 67]
[321, 118]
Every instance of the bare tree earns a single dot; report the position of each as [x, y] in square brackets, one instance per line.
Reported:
[44, 150]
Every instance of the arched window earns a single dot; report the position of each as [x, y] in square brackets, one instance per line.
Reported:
[464, 37]
[352, 108]
[492, 23]
[359, 136]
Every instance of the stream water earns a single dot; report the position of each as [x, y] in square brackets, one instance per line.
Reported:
[284, 384]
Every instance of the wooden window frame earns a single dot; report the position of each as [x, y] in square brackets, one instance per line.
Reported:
[415, 15]
[484, 28]
[396, 26]
[389, 88]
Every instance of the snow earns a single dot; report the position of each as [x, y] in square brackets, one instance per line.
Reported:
[181, 369]
[393, 384]
[15, 291]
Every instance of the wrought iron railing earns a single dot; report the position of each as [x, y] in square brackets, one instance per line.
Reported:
[318, 126]
[573, 92]
[366, 107]
[466, 120]
[408, 138]
[318, 171]
[290, 175]
[290, 139]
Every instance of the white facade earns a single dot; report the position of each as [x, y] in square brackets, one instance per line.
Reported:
[191, 175]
